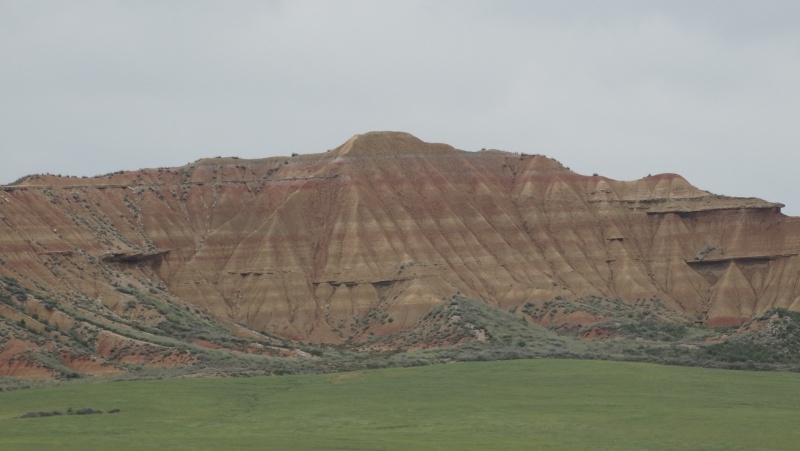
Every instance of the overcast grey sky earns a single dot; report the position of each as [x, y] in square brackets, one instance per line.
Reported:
[707, 89]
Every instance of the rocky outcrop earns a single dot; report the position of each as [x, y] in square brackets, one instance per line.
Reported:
[370, 236]
[133, 257]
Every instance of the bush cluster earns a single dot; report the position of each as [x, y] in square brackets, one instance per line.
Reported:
[69, 411]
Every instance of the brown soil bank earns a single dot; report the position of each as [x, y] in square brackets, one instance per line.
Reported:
[367, 238]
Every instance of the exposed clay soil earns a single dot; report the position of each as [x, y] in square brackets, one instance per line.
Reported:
[364, 240]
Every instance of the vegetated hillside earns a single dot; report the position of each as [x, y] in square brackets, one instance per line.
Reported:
[360, 246]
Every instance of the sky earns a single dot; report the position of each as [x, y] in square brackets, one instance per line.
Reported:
[706, 89]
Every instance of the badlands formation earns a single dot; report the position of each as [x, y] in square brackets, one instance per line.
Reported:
[367, 238]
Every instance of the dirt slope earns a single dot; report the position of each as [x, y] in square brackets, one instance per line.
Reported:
[370, 236]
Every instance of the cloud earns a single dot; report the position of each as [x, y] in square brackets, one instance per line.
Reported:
[623, 88]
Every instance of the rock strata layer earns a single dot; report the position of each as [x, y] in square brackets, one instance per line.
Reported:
[370, 236]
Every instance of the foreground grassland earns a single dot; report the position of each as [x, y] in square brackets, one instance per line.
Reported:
[522, 404]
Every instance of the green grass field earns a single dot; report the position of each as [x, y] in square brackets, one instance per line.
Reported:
[523, 404]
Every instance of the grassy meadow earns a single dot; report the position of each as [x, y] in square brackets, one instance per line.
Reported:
[521, 404]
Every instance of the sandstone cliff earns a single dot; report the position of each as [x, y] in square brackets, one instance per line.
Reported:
[367, 238]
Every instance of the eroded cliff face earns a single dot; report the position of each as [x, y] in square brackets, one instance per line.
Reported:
[367, 238]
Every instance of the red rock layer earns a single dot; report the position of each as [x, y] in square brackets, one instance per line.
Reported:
[386, 226]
